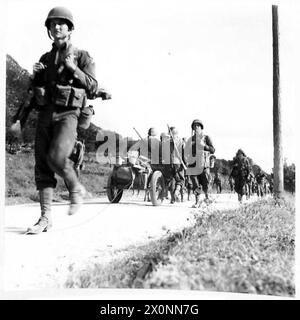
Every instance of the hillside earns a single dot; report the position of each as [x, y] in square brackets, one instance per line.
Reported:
[17, 83]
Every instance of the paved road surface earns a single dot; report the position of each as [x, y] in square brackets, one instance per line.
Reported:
[42, 261]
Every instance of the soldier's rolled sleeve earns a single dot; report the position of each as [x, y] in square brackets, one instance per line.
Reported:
[209, 145]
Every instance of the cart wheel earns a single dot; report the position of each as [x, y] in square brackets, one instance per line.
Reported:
[157, 187]
[114, 195]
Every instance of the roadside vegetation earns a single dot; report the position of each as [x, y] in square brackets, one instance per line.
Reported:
[250, 250]
[247, 250]
[20, 186]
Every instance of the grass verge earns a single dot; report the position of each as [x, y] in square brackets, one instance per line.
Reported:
[247, 250]
[20, 185]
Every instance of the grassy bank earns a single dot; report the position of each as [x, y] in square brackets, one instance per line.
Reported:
[248, 250]
[20, 186]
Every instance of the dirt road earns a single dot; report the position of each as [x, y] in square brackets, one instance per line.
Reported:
[96, 232]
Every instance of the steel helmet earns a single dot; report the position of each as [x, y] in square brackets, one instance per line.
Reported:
[240, 151]
[152, 132]
[164, 135]
[174, 130]
[61, 13]
[197, 121]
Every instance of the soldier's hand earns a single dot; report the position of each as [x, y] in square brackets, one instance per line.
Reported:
[15, 128]
[106, 96]
[70, 62]
[37, 67]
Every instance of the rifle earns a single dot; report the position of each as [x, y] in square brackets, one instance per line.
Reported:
[176, 149]
[137, 133]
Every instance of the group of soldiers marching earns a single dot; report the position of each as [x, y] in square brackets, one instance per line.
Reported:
[184, 163]
[244, 182]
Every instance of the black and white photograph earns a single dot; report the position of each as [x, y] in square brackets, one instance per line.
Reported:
[149, 149]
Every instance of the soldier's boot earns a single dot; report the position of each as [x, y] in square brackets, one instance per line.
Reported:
[166, 194]
[181, 195]
[76, 200]
[207, 200]
[197, 203]
[45, 221]
[172, 197]
[177, 193]
[240, 198]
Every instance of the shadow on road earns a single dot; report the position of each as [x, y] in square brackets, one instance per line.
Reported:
[17, 230]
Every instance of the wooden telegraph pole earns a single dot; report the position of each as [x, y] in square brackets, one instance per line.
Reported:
[277, 135]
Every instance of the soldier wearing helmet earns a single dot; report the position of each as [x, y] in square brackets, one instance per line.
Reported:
[261, 179]
[171, 155]
[197, 150]
[63, 80]
[149, 147]
[241, 174]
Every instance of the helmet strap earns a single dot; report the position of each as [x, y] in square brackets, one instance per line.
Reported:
[49, 35]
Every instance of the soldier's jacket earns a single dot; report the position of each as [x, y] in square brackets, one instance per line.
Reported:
[56, 73]
[150, 148]
[196, 150]
[260, 177]
[176, 155]
[241, 167]
[217, 179]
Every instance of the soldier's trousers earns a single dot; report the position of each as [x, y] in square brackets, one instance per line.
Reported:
[54, 141]
[240, 185]
[201, 180]
[177, 181]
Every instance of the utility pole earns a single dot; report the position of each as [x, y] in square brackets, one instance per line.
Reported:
[277, 134]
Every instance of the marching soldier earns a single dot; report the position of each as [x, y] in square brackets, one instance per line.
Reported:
[217, 182]
[196, 152]
[63, 80]
[149, 148]
[240, 173]
[176, 151]
[261, 180]
[251, 183]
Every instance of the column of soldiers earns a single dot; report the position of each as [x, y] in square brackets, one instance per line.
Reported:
[185, 164]
[243, 180]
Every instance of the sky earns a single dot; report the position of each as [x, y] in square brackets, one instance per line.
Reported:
[170, 62]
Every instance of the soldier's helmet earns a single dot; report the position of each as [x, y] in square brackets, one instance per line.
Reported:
[197, 121]
[240, 151]
[152, 132]
[174, 130]
[61, 13]
[164, 135]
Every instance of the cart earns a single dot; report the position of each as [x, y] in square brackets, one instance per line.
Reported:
[135, 172]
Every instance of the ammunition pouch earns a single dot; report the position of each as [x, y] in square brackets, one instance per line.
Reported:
[40, 95]
[68, 96]
[85, 117]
